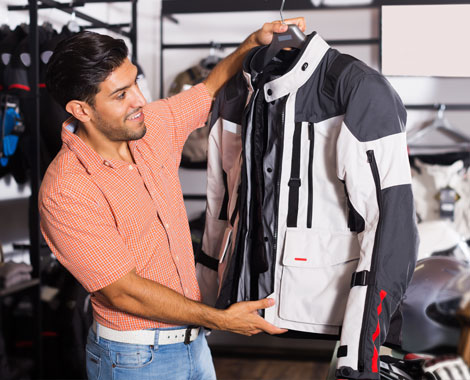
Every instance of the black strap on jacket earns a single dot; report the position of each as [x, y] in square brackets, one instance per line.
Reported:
[223, 215]
[204, 259]
[361, 278]
[342, 351]
[334, 72]
[294, 181]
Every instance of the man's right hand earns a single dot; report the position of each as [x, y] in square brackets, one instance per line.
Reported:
[148, 299]
[243, 318]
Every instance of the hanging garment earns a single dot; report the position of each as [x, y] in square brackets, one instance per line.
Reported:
[12, 273]
[7, 47]
[4, 33]
[14, 51]
[309, 199]
[443, 192]
[16, 68]
[52, 114]
[445, 159]
[195, 147]
[11, 127]
[440, 238]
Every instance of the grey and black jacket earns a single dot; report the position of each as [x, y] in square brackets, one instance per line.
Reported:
[309, 199]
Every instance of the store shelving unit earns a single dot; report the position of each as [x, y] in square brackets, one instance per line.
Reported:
[33, 8]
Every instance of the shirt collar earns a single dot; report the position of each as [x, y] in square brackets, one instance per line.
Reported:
[90, 160]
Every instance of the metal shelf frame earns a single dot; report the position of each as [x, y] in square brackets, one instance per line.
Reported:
[34, 231]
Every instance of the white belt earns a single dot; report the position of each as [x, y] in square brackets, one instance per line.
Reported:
[147, 337]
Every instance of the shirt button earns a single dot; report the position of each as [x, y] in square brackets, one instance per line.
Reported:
[270, 92]
[176, 258]
[304, 66]
[107, 163]
[167, 226]
[131, 167]
[186, 290]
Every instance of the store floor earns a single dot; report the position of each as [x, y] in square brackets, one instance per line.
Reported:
[269, 369]
[265, 357]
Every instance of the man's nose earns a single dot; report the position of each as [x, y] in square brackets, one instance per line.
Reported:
[139, 99]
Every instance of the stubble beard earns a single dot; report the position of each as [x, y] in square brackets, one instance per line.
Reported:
[123, 133]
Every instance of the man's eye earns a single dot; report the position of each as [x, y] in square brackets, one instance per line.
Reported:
[122, 95]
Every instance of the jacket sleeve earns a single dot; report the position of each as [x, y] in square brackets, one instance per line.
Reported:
[207, 258]
[373, 163]
[223, 178]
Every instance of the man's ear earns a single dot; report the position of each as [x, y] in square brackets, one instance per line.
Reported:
[80, 110]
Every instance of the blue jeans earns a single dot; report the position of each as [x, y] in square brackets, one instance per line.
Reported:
[109, 360]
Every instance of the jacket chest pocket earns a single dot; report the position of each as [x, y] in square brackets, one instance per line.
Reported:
[316, 197]
[317, 266]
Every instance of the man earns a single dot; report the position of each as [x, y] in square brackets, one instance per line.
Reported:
[112, 211]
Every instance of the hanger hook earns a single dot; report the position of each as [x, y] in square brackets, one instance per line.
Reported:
[280, 11]
[440, 113]
[212, 48]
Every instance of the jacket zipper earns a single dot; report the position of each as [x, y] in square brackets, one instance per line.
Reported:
[373, 266]
[311, 138]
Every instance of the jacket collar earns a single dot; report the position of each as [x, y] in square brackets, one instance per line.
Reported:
[302, 69]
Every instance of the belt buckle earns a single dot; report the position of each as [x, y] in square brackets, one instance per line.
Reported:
[187, 335]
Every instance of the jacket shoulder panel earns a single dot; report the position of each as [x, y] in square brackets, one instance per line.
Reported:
[373, 109]
[230, 101]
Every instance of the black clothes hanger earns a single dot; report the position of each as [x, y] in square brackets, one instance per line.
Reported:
[292, 38]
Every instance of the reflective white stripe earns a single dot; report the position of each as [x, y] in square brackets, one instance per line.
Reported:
[231, 127]
[145, 337]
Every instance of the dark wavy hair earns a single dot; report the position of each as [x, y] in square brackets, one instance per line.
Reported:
[80, 63]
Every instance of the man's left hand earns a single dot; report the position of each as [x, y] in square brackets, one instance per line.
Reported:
[264, 36]
[231, 64]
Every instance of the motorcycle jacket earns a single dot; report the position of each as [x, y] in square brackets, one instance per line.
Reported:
[309, 199]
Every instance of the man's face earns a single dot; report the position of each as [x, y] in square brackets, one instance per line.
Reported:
[117, 112]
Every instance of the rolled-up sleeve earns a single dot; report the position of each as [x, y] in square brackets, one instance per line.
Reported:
[82, 235]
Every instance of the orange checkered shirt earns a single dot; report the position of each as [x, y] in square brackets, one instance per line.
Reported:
[102, 218]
